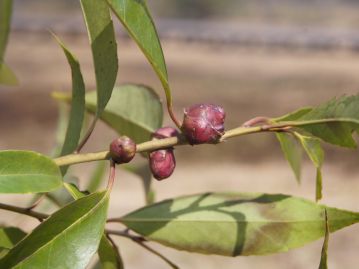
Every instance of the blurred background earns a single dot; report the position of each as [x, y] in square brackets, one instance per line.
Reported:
[255, 58]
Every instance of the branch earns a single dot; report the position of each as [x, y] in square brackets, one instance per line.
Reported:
[37, 215]
[181, 140]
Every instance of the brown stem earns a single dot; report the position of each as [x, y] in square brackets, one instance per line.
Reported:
[140, 241]
[37, 202]
[24, 211]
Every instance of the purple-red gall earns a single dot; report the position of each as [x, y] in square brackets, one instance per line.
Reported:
[162, 163]
[203, 123]
[165, 132]
[122, 149]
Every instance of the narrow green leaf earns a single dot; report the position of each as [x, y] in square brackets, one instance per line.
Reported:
[315, 153]
[5, 20]
[345, 110]
[9, 236]
[62, 122]
[134, 110]
[27, 172]
[144, 33]
[294, 115]
[236, 224]
[324, 257]
[292, 152]
[109, 257]
[77, 105]
[104, 48]
[7, 76]
[67, 239]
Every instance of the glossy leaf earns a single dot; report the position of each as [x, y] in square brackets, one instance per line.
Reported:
[27, 172]
[324, 256]
[5, 20]
[67, 239]
[236, 224]
[109, 257]
[315, 153]
[104, 48]
[77, 105]
[345, 110]
[7, 76]
[9, 236]
[144, 33]
[292, 152]
[134, 110]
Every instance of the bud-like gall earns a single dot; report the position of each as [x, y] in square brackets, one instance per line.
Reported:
[162, 163]
[165, 132]
[122, 149]
[203, 123]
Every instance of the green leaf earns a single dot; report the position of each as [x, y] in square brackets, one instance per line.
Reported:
[324, 257]
[104, 48]
[136, 18]
[109, 257]
[5, 20]
[315, 153]
[27, 172]
[77, 105]
[236, 224]
[294, 115]
[7, 76]
[343, 119]
[67, 239]
[9, 236]
[292, 153]
[134, 110]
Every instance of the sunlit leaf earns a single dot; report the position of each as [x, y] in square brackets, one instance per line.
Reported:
[236, 224]
[27, 172]
[144, 32]
[342, 119]
[292, 152]
[77, 105]
[67, 239]
[104, 48]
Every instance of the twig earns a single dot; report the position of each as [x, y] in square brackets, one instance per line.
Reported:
[140, 241]
[180, 140]
[37, 215]
[111, 177]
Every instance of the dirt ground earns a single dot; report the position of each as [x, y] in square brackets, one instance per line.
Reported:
[246, 82]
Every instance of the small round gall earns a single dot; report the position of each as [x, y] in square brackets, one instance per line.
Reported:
[122, 149]
[162, 163]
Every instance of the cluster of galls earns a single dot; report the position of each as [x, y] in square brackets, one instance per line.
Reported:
[203, 123]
